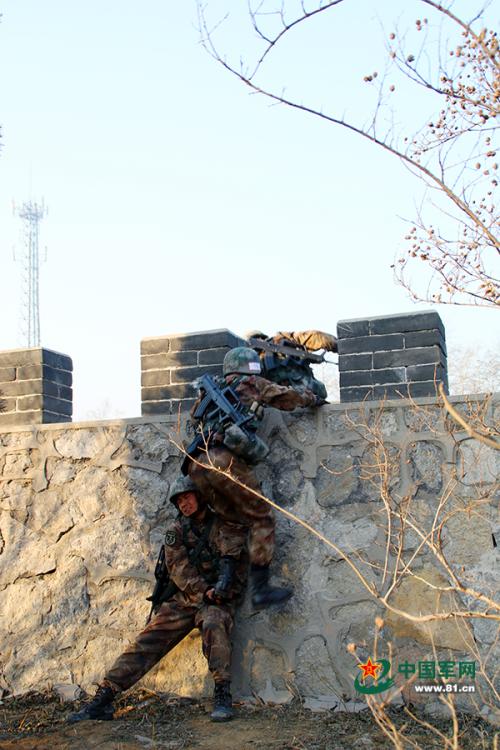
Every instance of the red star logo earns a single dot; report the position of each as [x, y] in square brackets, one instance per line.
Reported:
[370, 669]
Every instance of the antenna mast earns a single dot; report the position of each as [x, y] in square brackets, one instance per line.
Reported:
[31, 213]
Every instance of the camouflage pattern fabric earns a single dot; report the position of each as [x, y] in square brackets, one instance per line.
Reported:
[292, 371]
[310, 340]
[229, 501]
[186, 609]
[225, 538]
[252, 388]
[173, 623]
[235, 504]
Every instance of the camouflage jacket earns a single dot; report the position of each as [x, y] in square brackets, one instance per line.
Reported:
[252, 388]
[310, 340]
[194, 579]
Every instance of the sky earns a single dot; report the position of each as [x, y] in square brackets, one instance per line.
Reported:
[179, 202]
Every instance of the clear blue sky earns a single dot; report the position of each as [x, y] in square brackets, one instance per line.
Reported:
[177, 201]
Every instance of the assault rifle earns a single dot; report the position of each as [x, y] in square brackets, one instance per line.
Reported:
[287, 349]
[221, 407]
[164, 587]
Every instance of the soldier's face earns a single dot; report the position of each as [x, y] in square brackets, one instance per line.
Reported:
[187, 502]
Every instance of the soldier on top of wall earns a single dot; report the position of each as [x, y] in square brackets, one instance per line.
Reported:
[226, 416]
[205, 570]
[286, 357]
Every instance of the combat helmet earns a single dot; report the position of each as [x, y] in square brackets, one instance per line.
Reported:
[241, 360]
[181, 484]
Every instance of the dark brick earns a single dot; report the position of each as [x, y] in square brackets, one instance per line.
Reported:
[351, 328]
[155, 377]
[164, 361]
[424, 372]
[390, 375]
[54, 418]
[9, 404]
[425, 338]
[188, 374]
[29, 403]
[355, 362]
[167, 392]
[20, 418]
[21, 357]
[212, 356]
[57, 405]
[35, 388]
[34, 372]
[22, 387]
[7, 374]
[185, 404]
[404, 390]
[155, 407]
[390, 391]
[371, 343]
[156, 345]
[154, 362]
[355, 377]
[356, 394]
[420, 356]
[57, 360]
[58, 391]
[421, 321]
[204, 340]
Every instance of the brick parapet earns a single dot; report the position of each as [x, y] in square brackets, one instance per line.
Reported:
[36, 386]
[170, 364]
[392, 356]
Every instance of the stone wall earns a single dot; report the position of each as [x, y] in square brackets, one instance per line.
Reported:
[170, 364]
[83, 509]
[392, 355]
[35, 386]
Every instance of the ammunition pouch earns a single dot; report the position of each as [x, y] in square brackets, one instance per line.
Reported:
[249, 447]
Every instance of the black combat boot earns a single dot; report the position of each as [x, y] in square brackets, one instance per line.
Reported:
[223, 702]
[263, 595]
[99, 708]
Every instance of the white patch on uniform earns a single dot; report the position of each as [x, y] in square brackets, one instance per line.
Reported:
[254, 366]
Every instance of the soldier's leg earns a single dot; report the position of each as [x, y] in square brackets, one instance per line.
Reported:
[216, 624]
[234, 503]
[172, 623]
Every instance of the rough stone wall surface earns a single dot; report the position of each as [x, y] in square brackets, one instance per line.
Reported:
[83, 510]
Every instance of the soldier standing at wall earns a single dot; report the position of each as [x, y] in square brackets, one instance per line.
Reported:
[224, 451]
[293, 367]
[206, 561]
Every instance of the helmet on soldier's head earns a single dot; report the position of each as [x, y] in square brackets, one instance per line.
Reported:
[254, 333]
[241, 360]
[182, 484]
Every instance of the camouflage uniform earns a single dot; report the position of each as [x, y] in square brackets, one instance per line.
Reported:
[230, 501]
[293, 371]
[187, 609]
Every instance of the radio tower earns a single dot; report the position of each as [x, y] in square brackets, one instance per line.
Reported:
[31, 213]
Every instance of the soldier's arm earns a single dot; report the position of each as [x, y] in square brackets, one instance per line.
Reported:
[181, 570]
[255, 388]
[312, 340]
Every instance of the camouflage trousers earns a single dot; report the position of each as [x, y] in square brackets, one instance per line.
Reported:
[233, 503]
[173, 623]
